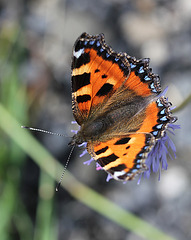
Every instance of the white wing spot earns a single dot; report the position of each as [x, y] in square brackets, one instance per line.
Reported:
[78, 53]
[118, 174]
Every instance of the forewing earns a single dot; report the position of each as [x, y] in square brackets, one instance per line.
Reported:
[97, 72]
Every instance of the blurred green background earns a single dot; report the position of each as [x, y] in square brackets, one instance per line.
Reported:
[36, 40]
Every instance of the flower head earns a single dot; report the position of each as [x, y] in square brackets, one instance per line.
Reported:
[157, 158]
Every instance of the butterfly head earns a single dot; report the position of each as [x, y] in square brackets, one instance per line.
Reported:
[77, 139]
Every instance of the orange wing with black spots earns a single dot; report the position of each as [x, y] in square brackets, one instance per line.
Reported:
[141, 80]
[124, 156]
[97, 72]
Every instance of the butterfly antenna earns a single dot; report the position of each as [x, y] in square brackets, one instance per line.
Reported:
[44, 131]
[65, 167]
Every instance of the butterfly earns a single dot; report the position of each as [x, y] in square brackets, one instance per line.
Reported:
[117, 101]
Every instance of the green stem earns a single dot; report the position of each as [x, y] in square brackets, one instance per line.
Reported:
[44, 229]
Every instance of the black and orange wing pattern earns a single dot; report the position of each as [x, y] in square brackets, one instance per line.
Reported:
[124, 156]
[97, 72]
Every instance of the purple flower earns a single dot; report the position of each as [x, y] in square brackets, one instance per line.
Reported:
[157, 158]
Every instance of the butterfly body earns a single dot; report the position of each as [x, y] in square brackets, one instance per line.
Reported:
[116, 102]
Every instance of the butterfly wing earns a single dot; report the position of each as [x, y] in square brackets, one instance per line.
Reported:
[121, 156]
[98, 73]
[124, 156]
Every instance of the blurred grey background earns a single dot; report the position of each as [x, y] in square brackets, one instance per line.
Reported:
[45, 31]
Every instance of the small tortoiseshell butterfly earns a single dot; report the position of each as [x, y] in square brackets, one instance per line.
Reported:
[117, 101]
